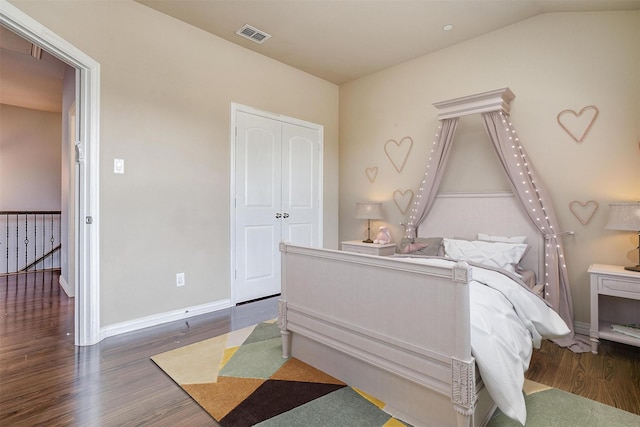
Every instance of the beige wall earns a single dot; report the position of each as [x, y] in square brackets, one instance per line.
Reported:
[166, 90]
[29, 159]
[551, 62]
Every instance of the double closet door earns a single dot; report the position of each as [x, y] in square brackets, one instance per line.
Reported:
[277, 198]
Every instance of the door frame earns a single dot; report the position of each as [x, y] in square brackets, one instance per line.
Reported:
[87, 255]
[235, 109]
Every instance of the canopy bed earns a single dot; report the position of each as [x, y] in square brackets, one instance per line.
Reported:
[409, 329]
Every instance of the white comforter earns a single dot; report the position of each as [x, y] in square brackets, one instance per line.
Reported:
[507, 321]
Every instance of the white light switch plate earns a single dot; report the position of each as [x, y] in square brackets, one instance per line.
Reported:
[118, 165]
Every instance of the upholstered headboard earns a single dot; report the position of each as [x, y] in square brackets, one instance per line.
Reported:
[464, 215]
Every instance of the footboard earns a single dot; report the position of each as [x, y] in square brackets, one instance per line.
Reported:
[395, 329]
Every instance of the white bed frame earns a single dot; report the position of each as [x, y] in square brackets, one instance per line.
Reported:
[396, 329]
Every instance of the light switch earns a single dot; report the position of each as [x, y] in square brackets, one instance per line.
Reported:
[118, 165]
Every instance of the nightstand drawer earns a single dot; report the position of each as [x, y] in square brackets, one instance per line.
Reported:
[619, 287]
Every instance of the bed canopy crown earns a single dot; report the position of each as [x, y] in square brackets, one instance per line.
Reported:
[494, 107]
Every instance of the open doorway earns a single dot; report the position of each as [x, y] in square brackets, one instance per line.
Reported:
[85, 168]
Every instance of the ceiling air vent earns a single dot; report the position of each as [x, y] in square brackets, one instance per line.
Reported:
[253, 34]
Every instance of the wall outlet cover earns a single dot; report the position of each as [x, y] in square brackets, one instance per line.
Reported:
[180, 279]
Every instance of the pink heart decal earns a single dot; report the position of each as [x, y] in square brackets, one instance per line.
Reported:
[403, 199]
[575, 124]
[398, 152]
[371, 173]
[583, 211]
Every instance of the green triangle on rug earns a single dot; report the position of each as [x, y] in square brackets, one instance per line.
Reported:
[557, 408]
[241, 379]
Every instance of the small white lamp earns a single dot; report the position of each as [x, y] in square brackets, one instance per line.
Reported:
[626, 217]
[368, 211]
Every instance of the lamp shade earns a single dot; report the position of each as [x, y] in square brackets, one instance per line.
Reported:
[369, 210]
[624, 216]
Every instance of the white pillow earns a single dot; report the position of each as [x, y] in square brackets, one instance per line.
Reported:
[515, 239]
[493, 254]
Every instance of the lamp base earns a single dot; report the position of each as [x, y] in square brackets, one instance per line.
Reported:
[367, 241]
[635, 268]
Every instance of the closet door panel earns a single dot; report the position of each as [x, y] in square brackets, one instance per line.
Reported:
[300, 184]
[258, 202]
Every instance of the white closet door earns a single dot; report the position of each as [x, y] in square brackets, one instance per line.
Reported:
[258, 201]
[278, 198]
[300, 185]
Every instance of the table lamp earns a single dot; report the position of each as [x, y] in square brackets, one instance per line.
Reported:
[368, 211]
[626, 217]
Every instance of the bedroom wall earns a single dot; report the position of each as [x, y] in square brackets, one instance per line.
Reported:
[552, 62]
[166, 91]
[29, 159]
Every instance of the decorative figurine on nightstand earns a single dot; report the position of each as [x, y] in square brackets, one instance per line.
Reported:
[384, 236]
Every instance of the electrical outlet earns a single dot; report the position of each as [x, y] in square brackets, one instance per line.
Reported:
[180, 279]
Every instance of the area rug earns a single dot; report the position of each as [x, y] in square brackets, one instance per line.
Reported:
[550, 407]
[241, 379]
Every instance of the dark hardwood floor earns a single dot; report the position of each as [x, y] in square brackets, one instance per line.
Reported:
[46, 380]
[611, 377]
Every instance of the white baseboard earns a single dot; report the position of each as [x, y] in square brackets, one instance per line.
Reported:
[160, 318]
[581, 328]
[69, 290]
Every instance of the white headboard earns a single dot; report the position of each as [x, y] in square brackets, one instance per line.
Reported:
[464, 215]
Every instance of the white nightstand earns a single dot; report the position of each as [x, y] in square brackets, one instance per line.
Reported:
[369, 248]
[615, 299]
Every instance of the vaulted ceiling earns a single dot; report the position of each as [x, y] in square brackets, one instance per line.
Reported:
[336, 40]
[341, 40]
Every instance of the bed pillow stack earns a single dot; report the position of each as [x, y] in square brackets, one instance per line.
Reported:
[425, 246]
[496, 254]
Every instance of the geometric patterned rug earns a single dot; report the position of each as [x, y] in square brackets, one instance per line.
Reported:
[241, 379]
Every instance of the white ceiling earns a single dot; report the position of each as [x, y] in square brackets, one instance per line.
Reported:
[341, 40]
[28, 82]
[337, 40]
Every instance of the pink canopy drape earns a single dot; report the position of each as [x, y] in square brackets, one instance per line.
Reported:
[435, 168]
[530, 190]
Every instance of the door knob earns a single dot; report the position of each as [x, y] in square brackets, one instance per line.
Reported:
[278, 215]
[286, 215]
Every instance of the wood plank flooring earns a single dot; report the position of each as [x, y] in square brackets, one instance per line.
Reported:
[611, 377]
[46, 380]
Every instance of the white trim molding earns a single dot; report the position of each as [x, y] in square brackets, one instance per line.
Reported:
[87, 292]
[65, 287]
[581, 328]
[161, 318]
[494, 100]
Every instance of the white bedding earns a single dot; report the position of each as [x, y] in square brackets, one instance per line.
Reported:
[507, 321]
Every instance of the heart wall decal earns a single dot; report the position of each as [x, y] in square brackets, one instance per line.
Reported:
[403, 200]
[583, 211]
[578, 124]
[371, 173]
[398, 152]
